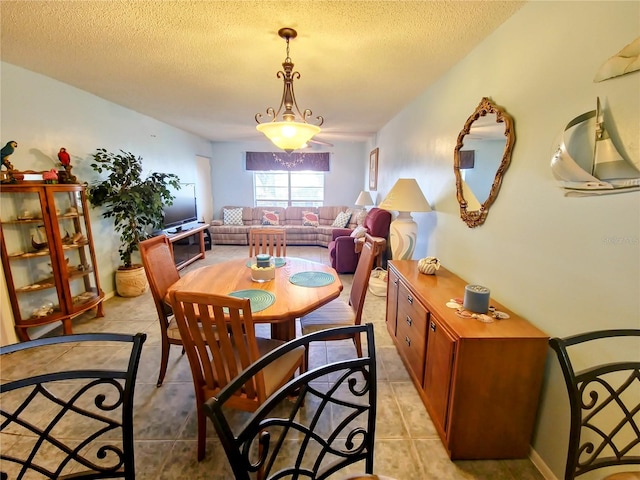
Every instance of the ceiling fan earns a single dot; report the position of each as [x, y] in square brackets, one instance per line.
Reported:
[318, 142]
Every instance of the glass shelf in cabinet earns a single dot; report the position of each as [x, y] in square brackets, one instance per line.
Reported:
[34, 287]
[24, 255]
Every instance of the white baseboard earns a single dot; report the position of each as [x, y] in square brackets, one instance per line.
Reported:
[542, 467]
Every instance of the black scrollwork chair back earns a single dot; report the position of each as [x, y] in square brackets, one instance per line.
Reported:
[604, 401]
[68, 422]
[315, 425]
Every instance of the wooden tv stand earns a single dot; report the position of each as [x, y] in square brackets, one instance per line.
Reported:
[480, 382]
[188, 245]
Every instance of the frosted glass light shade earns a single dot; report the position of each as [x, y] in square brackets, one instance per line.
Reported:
[288, 136]
[364, 199]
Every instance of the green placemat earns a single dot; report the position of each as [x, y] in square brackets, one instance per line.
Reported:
[312, 279]
[259, 298]
[279, 261]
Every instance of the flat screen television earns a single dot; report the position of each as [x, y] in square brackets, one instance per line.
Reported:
[184, 210]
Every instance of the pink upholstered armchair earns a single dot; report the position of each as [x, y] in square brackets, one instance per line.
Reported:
[342, 249]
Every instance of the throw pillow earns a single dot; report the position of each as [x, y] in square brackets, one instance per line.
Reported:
[232, 216]
[310, 219]
[342, 220]
[362, 214]
[358, 232]
[270, 218]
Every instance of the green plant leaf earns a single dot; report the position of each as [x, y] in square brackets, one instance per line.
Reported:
[135, 203]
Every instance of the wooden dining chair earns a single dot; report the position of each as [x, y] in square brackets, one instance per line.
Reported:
[268, 240]
[317, 424]
[216, 359]
[604, 403]
[161, 271]
[339, 313]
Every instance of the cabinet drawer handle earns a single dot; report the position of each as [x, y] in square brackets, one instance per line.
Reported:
[409, 321]
[410, 299]
[395, 281]
[432, 326]
[407, 340]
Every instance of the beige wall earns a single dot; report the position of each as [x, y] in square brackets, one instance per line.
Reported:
[567, 264]
[7, 332]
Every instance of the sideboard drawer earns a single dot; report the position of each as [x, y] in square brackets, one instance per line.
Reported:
[411, 305]
[412, 330]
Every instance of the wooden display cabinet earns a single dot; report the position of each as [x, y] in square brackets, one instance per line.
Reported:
[480, 382]
[47, 254]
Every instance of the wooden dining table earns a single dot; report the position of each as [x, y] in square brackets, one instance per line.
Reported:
[291, 301]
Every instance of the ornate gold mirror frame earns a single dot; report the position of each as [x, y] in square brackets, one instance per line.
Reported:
[474, 218]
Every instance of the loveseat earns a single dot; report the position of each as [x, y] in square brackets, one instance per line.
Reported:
[304, 225]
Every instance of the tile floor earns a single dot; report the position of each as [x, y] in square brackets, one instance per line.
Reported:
[407, 445]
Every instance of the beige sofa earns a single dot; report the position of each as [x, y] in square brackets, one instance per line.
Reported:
[290, 218]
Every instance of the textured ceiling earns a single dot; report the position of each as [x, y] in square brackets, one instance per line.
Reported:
[209, 66]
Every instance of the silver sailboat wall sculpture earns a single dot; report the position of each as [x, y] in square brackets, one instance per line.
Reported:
[606, 172]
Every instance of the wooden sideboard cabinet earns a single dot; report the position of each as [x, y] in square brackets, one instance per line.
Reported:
[47, 251]
[480, 382]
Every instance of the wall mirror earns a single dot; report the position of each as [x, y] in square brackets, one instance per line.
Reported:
[482, 155]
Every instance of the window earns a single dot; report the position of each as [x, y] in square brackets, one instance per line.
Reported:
[283, 189]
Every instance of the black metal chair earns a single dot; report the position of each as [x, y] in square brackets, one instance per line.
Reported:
[316, 424]
[97, 404]
[605, 405]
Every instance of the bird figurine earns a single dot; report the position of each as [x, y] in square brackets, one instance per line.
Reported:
[7, 150]
[64, 157]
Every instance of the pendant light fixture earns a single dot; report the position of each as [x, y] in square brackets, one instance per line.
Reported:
[290, 131]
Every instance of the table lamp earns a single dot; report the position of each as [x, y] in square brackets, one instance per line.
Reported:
[364, 199]
[405, 197]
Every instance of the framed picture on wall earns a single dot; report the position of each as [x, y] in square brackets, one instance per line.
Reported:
[373, 169]
[467, 158]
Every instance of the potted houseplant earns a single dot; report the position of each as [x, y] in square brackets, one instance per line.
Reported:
[136, 206]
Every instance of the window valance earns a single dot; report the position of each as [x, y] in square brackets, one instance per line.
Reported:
[266, 161]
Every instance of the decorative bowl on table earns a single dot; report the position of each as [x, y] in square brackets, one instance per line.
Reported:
[263, 268]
